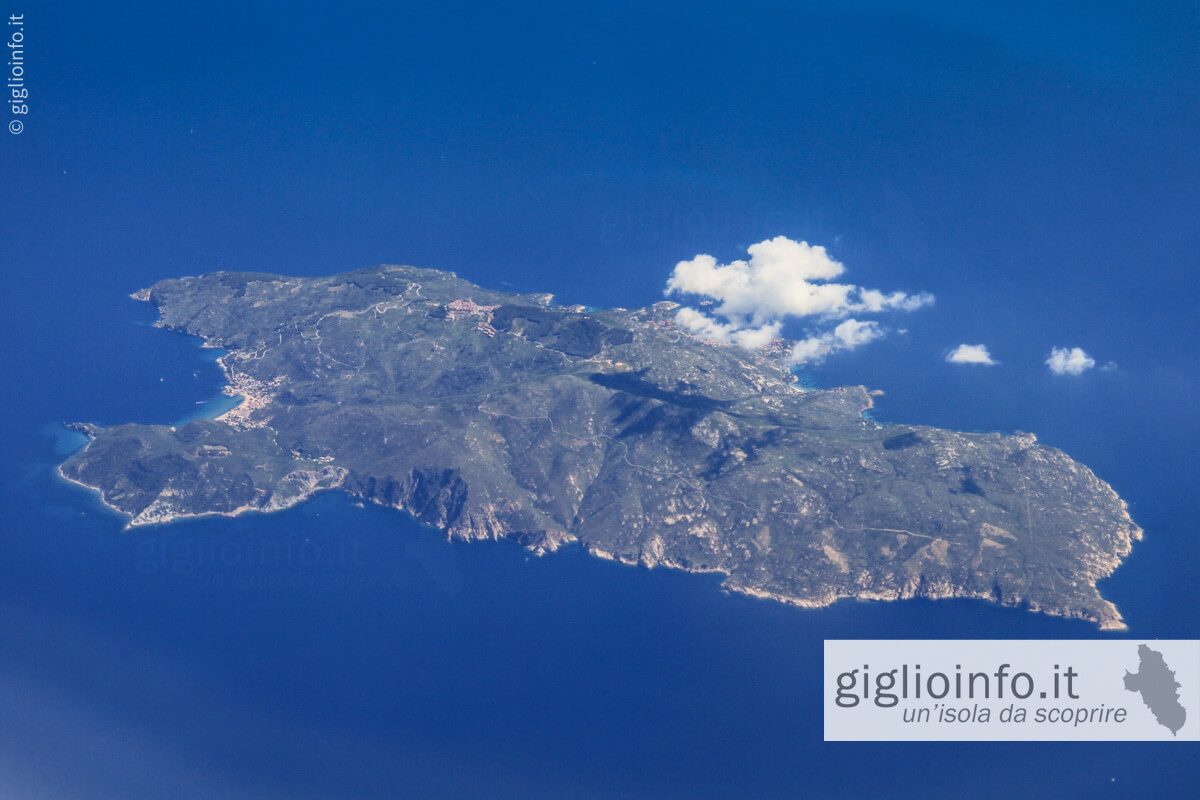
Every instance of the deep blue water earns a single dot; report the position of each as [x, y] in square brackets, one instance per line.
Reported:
[1035, 169]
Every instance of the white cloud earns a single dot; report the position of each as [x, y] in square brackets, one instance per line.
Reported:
[1073, 361]
[846, 336]
[705, 327]
[875, 300]
[782, 279]
[971, 354]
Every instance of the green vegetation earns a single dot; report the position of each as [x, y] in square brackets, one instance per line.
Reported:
[498, 415]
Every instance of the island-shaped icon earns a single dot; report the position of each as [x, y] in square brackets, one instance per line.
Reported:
[1156, 683]
[491, 415]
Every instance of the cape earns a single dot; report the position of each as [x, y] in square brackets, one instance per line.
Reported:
[491, 415]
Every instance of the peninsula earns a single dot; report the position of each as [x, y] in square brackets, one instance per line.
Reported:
[495, 415]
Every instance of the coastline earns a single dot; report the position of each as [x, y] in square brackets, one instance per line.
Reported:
[162, 516]
[168, 501]
[1113, 623]
[912, 590]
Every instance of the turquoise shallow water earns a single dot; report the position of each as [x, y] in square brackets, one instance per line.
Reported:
[211, 409]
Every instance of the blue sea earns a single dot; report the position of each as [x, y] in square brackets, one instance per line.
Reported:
[1034, 168]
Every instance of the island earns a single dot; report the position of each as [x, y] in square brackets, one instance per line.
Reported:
[494, 415]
